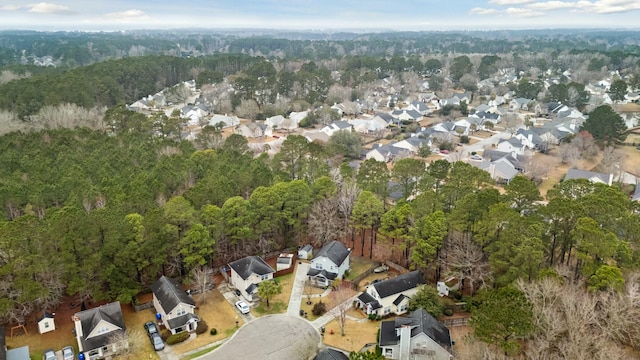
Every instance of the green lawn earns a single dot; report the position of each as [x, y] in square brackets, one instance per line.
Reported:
[358, 266]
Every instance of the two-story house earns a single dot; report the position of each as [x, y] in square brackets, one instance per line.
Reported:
[98, 331]
[174, 305]
[329, 263]
[391, 295]
[247, 273]
[416, 336]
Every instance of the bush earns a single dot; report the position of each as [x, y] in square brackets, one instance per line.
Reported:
[448, 311]
[319, 309]
[202, 327]
[177, 338]
[464, 139]
[164, 334]
[213, 331]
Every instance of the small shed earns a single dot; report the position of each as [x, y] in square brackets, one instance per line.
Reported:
[306, 252]
[284, 261]
[46, 322]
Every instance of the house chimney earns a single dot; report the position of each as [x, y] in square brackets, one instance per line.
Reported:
[404, 332]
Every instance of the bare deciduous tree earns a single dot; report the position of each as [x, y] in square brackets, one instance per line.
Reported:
[341, 296]
[248, 109]
[128, 344]
[202, 278]
[466, 261]
[538, 167]
[324, 221]
[586, 144]
[569, 154]
[347, 197]
[612, 161]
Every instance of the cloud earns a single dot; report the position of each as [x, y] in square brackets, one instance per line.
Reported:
[48, 8]
[128, 15]
[607, 6]
[510, 2]
[483, 11]
[522, 12]
[11, 7]
[551, 5]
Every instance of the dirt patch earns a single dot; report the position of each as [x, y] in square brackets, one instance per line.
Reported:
[466, 346]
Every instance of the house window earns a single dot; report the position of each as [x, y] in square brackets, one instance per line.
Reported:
[46, 325]
[402, 308]
[264, 277]
[319, 266]
[388, 352]
[387, 310]
[102, 330]
[181, 311]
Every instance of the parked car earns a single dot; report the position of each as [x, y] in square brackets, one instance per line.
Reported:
[243, 307]
[238, 293]
[67, 353]
[380, 269]
[445, 151]
[49, 354]
[151, 328]
[475, 157]
[156, 341]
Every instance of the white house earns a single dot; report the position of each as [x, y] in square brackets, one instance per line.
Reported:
[305, 252]
[594, 177]
[224, 120]
[368, 126]
[174, 305]
[416, 336]
[511, 145]
[97, 331]
[390, 296]
[46, 322]
[335, 127]
[247, 273]
[329, 263]
[254, 130]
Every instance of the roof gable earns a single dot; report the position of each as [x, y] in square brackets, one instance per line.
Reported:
[399, 284]
[334, 251]
[92, 319]
[170, 294]
[251, 265]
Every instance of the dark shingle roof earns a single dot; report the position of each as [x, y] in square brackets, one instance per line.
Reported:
[170, 294]
[182, 320]
[399, 284]
[90, 319]
[399, 299]
[589, 175]
[421, 322]
[251, 265]
[330, 354]
[327, 274]
[368, 299]
[335, 251]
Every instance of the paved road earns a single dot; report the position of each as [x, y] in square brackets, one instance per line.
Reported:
[272, 337]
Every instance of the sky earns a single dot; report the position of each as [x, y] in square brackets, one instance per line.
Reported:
[413, 15]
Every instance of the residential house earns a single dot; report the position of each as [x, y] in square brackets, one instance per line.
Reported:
[368, 126]
[390, 296]
[420, 107]
[594, 177]
[224, 121]
[174, 305]
[316, 136]
[99, 331]
[194, 113]
[328, 264]
[331, 354]
[531, 140]
[386, 153]
[407, 115]
[335, 127]
[493, 117]
[511, 145]
[274, 121]
[416, 336]
[449, 127]
[254, 130]
[520, 104]
[46, 322]
[413, 144]
[502, 166]
[247, 273]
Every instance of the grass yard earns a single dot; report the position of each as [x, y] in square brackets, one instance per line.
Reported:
[357, 334]
[466, 346]
[631, 162]
[219, 314]
[358, 266]
[280, 302]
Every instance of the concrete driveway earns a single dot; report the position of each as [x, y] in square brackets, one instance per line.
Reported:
[272, 337]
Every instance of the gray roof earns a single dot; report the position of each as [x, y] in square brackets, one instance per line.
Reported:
[170, 294]
[386, 117]
[421, 322]
[528, 133]
[342, 124]
[331, 354]
[307, 248]
[182, 320]
[89, 319]
[19, 353]
[589, 175]
[365, 298]
[399, 299]
[399, 284]
[335, 251]
[251, 265]
[513, 141]
[327, 274]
